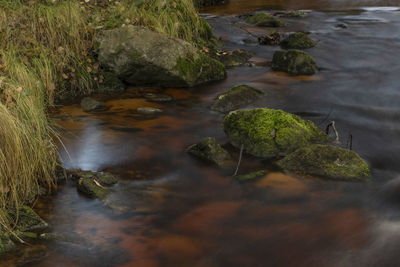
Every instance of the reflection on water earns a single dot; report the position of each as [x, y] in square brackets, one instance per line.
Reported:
[172, 210]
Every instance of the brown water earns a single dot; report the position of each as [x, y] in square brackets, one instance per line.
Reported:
[172, 210]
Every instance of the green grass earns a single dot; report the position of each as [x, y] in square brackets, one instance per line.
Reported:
[47, 54]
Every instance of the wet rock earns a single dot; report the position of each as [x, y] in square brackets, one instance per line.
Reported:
[159, 98]
[61, 237]
[294, 62]
[237, 97]
[251, 175]
[341, 26]
[209, 150]
[110, 83]
[140, 56]
[327, 161]
[268, 132]
[298, 40]
[265, 20]
[88, 104]
[95, 184]
[234, 58]
[272, 38]
[148, 111]
[200, 3]
[291, 14]
[27, 220]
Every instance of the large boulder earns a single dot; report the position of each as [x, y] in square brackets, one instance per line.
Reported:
[209, 150]
[294, 62]
[265, 20]
[327, 161]
[140, 56]
[237, 97]
[298, 40]
[268, 132]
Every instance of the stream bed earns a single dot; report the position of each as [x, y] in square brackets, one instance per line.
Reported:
[172, 210]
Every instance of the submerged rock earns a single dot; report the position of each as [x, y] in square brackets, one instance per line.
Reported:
[140, 56]
[209, 150]
[200, 3]
[95, 184]
[159, 98]
[327, 161]
[294, 62]
[268, 132]
[234, 58]
[251, 176]
[265, 20]
[298, 40]
[148, 111]
[237, 97]
[88, 104]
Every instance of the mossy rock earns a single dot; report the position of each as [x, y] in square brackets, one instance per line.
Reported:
[95, 184]
[234, 58]
[294, 62]
[298, 40]
[27, 220]
[140, 56]
[209, 150]
[251, 176]
[89, 104]
[237, 97]
[201, 3]
[291, 14]
[111, 84]
[327, 161]
[265, 20]
[272, 38]
[268, 132]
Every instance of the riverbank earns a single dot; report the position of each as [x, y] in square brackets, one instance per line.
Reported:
[48, 55]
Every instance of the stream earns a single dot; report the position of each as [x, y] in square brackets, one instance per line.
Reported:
[171, 209]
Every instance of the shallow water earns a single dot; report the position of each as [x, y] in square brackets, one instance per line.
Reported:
[172, 210]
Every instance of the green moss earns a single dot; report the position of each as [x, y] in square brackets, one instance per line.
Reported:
[267, 132]
[95, 184]
[251, 176]
[235, 58]
[265, 20]
[298, 40]
[294, 62]
[327, 161]
[27, 220]
[6, 243]
[237, 97]
[208, 149]
[111, 83]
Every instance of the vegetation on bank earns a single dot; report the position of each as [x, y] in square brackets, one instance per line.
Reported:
[48, 53]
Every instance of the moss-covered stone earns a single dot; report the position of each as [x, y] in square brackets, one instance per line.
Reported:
[27, 220]
[95, 184]
[110, 83]
[6, 244]
[237, 97]
[89, 104]
[298, 40]
[272, 38]
[265, 20]
[294, 62]
[251, 175]
[328, 162]
[234, 58]
[291, 14]
[268, 132]
[209, 150]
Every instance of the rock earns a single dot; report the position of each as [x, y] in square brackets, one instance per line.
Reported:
[341, 26]
[95, 184]
[88, 104]
[268, 132]
[140, 56]
[291, 14]
[209, 150]
[294, 62]
[111, 83]
[200, 3]
[272, 38]
[234, 58]
[28, 220]
[328, 162]
[251, 176]
[237, 97]
[148, 111]
[159, 98]
[298, 40]
[265, 20]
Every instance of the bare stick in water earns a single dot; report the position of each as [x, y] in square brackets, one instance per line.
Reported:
[332, 124]
[350, 142]
[240, 160]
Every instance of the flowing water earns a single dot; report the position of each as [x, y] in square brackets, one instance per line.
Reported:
[173, 210]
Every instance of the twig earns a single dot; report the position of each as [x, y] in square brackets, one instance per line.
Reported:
[98, 184]
[332, 124]
[240, 160]
[350, 142]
